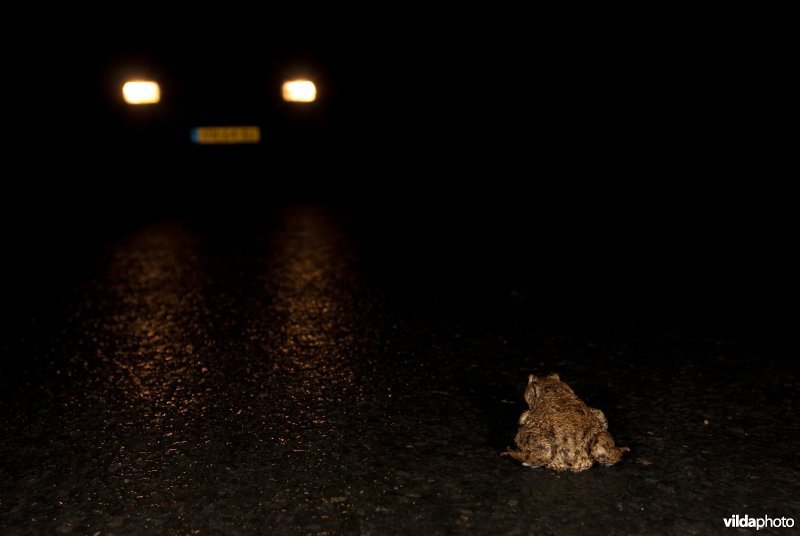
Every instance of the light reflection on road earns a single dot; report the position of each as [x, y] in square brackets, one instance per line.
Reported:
[156, 289]
[314, 333]
[255, 351]
[313, 299]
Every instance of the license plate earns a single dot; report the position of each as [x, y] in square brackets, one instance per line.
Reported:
[226, 135]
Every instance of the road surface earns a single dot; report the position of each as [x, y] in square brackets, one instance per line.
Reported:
[315, 372]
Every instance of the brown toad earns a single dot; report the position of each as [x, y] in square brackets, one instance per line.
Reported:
[560, 431]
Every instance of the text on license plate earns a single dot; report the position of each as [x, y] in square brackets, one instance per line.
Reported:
[226, 135]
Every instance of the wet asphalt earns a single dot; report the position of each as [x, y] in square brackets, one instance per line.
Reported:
[321, 372]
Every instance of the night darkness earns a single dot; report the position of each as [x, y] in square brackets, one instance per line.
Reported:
[330, 331]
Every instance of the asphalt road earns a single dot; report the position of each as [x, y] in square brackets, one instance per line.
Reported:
[313, 371]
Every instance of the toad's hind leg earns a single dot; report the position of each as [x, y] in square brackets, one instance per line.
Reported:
[605, 451]
[540, 454]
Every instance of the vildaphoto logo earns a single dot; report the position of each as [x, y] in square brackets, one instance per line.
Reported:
[745, 522]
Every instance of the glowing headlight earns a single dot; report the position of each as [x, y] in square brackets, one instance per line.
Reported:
[299, 91]
[141, 92]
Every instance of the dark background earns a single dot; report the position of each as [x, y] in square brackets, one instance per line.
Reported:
[648, 148]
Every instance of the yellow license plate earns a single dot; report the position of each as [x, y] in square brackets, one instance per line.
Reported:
[226, 135]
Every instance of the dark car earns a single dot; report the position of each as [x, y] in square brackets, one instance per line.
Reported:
[253, 103]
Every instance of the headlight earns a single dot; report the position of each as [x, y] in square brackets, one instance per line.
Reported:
[299, 91]
[141, 92]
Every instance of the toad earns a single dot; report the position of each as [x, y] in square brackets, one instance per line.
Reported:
[560, 431]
